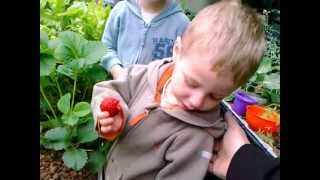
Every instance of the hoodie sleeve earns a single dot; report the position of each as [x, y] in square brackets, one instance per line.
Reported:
[110, 37]
[188, 156]
[122, 89]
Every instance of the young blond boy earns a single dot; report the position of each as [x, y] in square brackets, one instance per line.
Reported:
[170, 114]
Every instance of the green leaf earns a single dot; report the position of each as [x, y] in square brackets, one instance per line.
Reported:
[272, 81]
[57, 134]
[253, 78]
[51, 32]
[260, 77]
[265, 66]
[96, 161]
[44, 38]
[96, 73]
[78, 50]
[43, 3]
[87, 133]
[58, 5]
[42, 139]
[74, 133]
[56, 138]
[57, 145]
[106, 146]
[77, 8]
[70, 12]
[77, 65]
[47, 65]
[93, 52]
[46, 51]
[43, 105]
[66, 70]
[276, 68]
[71, 47]
[81, 109]
[75, 158]
[45, 81]
[94, 20]
[50, 124]
[53, 44]
[85, 119]
[275, 98]
[70, 119]
[64, 103]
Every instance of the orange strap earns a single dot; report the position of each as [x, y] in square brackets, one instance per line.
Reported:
[163, 79]
[136, 119]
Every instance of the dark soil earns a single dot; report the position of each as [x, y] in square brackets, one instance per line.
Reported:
[52, 168]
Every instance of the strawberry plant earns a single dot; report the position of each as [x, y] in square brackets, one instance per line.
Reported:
[85, 17]
[69, 67]
[266, 137]
[266, 81]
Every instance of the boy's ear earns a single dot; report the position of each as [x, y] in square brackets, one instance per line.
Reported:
[177, 47]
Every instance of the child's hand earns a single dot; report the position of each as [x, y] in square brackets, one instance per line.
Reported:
[108, 124]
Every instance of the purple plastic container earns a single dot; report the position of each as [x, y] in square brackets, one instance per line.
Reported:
[241, 101]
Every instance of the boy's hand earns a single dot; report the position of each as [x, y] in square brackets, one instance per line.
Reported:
[108, 124]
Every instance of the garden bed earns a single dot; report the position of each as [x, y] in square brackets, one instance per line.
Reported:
[272, 139]
[52, 168]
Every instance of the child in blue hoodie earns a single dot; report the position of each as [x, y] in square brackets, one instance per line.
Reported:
[140, 31]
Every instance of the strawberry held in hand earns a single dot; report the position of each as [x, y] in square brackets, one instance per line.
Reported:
[111, 105]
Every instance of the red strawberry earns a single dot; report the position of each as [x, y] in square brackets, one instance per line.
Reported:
[110, 105]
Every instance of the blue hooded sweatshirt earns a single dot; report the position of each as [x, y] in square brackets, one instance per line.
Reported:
[131, 40]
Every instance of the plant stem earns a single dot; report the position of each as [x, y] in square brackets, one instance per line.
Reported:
[58, 87]
[47, 101]
[276, 106]
[84, 94]
[74, 92]
[47, 115]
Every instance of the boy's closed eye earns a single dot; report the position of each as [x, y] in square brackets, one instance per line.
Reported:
[190, 82]
[194, 84]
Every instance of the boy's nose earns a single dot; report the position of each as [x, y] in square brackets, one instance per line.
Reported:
[197, 100]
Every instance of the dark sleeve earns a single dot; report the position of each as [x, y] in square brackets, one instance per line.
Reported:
[250, 163]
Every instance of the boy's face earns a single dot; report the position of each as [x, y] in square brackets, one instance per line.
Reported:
[194, 84]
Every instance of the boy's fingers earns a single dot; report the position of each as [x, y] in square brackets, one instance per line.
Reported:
[102, 115]
[106, 129]
[106, 121]
[216, 146]
[116, 127]
[117, 124]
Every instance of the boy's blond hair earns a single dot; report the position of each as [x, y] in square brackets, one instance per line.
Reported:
[232, 33]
